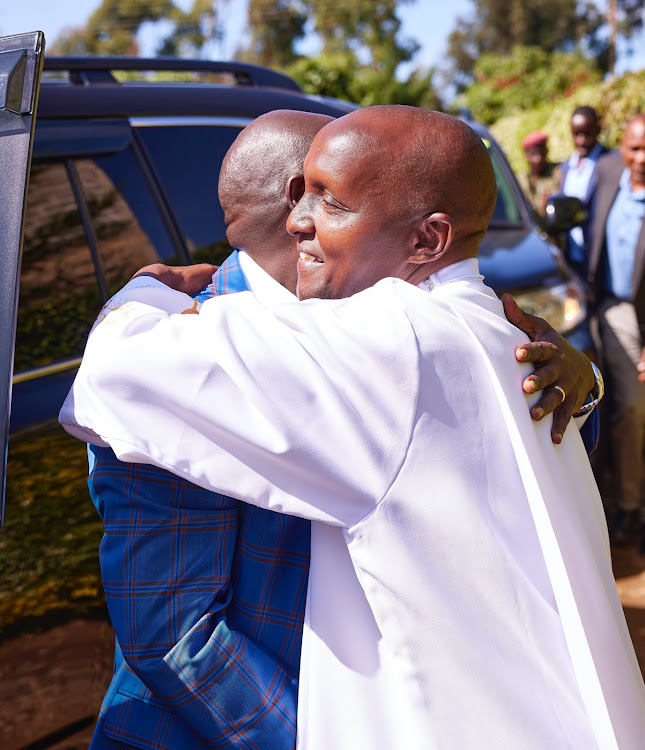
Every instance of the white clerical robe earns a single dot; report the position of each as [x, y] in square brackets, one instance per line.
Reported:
[397, 417]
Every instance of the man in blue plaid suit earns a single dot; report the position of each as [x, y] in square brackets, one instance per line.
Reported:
[206, 594]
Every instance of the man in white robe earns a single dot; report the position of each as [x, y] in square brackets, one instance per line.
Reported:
[392, 418]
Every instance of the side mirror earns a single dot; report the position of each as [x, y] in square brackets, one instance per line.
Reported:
[562, 213]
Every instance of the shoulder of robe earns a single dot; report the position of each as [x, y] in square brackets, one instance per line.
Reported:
[382, 315]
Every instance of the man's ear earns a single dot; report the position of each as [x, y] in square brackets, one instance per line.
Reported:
[295, 189]
[434, 237]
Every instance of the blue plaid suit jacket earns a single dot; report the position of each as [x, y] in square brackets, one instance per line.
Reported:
[207, 597]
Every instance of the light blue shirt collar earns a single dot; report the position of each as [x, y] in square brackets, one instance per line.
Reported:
[626, 185]
[593, 156]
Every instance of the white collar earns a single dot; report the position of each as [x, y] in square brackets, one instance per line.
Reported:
[265, 288]
[463, 269]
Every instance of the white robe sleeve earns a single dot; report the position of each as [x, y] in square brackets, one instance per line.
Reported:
[305, 408]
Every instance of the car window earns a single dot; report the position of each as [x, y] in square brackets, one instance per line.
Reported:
[123, 245]
[506, 208]
[187, 161]
[59, 293]
[63, 286]
[139, 217]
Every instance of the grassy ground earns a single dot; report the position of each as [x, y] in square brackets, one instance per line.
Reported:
[49, 568]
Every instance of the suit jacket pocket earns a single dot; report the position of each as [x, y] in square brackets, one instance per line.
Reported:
[143, 722]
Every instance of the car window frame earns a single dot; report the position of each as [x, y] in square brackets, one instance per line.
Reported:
[21, 64]
[141, 122]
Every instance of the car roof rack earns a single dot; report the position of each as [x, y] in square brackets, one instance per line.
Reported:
[88, 70]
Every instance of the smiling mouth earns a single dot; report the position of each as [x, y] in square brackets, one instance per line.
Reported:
[309, 258]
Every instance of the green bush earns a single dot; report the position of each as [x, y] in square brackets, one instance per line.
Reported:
[340, 75]
[616, 101]
[505, 84]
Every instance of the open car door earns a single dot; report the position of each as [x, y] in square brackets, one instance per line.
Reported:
[21, 61]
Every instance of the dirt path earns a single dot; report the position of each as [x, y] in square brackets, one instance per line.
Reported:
[629, 570]
[51, 684]
[54, 682]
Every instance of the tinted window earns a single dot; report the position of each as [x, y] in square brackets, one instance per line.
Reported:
[60, 291]
[59, 294]
[506, 208]
[187, 160]
[124, 246]
[138, 214]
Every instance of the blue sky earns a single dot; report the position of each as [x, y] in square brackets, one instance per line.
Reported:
[427, 21]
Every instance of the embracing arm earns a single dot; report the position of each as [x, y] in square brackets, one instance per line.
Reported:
[557, 363]
[264, 406]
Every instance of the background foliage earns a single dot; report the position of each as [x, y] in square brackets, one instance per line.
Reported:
[360, 42]
[524, 79]
[616, 101]
[496, 26]
[503, 55]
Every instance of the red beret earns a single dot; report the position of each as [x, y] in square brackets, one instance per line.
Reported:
[535, 138]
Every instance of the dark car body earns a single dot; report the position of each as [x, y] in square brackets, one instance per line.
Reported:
[124, 173]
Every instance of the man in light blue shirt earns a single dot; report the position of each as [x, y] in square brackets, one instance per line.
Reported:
[617, 273]
[579, 178]
[623, 226]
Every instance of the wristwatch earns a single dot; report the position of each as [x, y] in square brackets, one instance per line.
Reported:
[597, 392]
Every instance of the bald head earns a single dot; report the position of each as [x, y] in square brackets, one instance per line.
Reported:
[404, 192]
[252, 187]
[632, 149]
[431, 161]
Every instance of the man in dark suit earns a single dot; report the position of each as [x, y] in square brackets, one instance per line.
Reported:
[580, 177]
[617, 272]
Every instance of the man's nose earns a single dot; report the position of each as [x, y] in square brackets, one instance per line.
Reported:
[300, 219]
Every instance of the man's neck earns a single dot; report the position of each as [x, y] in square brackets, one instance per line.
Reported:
[262, 283]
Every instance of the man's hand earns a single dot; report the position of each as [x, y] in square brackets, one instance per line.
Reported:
[557, 363]
[641, 367]
[187, 279]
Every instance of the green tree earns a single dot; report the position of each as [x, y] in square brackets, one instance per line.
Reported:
[341, 76]
[113, 27]
[496, 26]
[368, 27]
[524, 79]
[192, 29]
[615, 100]
[276, 27]
[361, 49]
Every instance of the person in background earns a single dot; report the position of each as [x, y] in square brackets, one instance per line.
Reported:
[543, 177]
[579, 179]
[617, 274]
